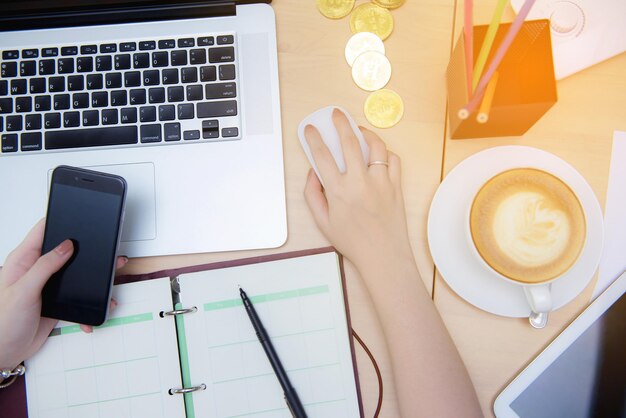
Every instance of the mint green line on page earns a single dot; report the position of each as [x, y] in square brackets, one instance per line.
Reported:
[184, 362]
[124, 320]
[268, 297]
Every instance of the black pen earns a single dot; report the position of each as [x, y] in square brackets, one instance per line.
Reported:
[291, 397]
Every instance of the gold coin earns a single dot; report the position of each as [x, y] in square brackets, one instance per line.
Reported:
[362, 42]
[389, 4]
[369, 17]
[371, 70]
[383, 108]
[335, 9]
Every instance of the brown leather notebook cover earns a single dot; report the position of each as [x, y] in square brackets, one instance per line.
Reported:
[13, 398]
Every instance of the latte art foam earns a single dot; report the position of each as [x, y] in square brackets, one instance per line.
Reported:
[530, 230]
[527, 225]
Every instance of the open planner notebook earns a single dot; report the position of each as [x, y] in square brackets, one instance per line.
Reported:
[127, 367]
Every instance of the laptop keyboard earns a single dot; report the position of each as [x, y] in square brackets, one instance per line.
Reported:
[134, 93]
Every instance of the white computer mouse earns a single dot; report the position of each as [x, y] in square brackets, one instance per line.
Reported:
[322, 119]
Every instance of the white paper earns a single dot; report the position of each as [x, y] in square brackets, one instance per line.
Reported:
[123, 369]
[613, 261]
[303, 311]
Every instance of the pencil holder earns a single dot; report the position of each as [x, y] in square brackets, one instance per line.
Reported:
[525, 88]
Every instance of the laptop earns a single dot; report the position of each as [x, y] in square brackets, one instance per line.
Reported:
[179, 98]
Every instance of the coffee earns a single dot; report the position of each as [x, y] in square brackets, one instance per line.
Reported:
[528, 225]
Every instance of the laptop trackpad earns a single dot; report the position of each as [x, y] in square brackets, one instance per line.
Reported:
[140, 220]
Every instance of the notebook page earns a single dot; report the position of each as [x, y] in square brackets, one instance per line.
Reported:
[123, 369]
[300, 302]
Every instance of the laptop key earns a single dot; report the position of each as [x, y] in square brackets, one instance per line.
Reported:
[80, 100]
[71, 119]
[221, 90]
[37, 85]
[189, 75]
[43, 103]
[92, 137]
[28, 68]
[156, 95]
[167, 44]
[10, 55]
[113, 80]
[206, 41]
[194, 92]
[56, 84]
[179, 57]
[160, 59]
[147, 45]
[128, 46]
[170, 76]
[141, 60]
[94, 82]
[4, 87]
[137, 96]
[91, 118]
[175, 94]
[210, 129]
[61, 101]
[118, 98]
[30, 141]
[172, 131]
[216, 109]
[109, 117]
[30, 53]
[18, 86]
[132, 79]
[197, 56]
[47, 67]
[122, 62]
[9, 143]
[225, 39]
[223, 54]
[186, 43]
[23, 104]
[185, 111]
[189, 135]
[49, 52]
[167, 112]
[84, 64]
[75, 83]
[69, 50]
[150, 133]
[151, 78]
[227, 72]
[104, 63]
[128, 115]
[6, 105]
[100, 99]
[65, 65]
[147, 114]
[33, 122]
[14, 123]
[89, 49]
[230, 132]
[52, 120]
[8, 69]
[208, 73]
[108, 48]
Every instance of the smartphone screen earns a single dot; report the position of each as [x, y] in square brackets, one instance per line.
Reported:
[86, 207]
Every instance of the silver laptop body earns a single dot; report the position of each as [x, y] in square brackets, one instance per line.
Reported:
[214, 188]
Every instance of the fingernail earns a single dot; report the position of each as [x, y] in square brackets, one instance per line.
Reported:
[124, 258]
[64, 247]
[113, 303]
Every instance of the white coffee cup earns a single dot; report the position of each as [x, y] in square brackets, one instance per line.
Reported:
[527, 227]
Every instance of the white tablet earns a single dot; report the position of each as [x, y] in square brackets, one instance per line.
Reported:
[582, 373]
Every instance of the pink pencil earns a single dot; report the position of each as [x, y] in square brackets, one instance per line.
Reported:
[469, 44]
[497, 58]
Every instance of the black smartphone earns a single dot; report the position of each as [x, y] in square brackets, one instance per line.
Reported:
[88, 208]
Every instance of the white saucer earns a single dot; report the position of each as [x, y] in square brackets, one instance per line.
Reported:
[451, 249]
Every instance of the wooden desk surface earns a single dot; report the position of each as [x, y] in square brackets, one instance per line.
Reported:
[313, 74]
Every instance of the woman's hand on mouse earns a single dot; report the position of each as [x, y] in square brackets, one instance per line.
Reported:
[22, 278]
[360, 211]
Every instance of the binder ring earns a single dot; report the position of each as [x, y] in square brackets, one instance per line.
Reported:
[178, 391]
[179, 311]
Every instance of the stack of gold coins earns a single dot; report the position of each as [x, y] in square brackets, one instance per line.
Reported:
[371, 23]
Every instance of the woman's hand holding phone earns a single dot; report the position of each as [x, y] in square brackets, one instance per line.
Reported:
[25, 272]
